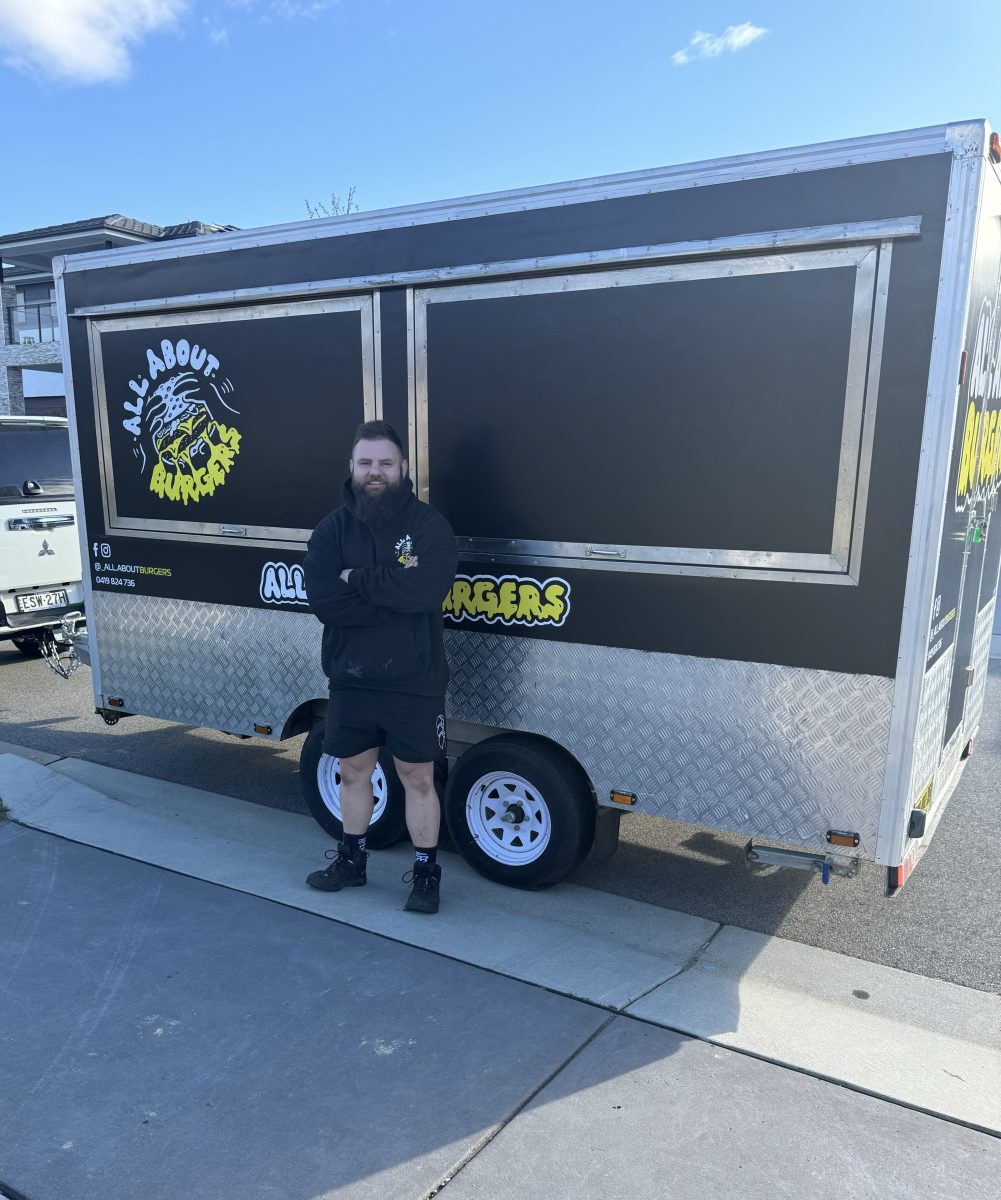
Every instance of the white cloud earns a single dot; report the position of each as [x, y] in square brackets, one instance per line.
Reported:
[709, 45]
[287, 9]
[81, 41]
[218, 35]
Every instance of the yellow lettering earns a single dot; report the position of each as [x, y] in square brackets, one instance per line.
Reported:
[462, 597]
[990, 464]
[969, 452]
[507, 605]
[188, 482]
[555, 608]
[158, 480]
[189, 487]
[509, 599]
[529, 603]
[485, 598]
[984, 436]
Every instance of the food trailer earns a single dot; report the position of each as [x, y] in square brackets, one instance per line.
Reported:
[720, 444]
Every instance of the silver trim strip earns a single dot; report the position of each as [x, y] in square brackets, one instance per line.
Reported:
[505, 549]
[851, 429]
[960, 138]
[875, 357]
[210, 531]
[951, 310]
[859, 415]
[839, 577]
[376, 356]
[420, 417]
[781, 239]
[411, 395]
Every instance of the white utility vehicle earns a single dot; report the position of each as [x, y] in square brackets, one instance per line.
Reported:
[40, 573]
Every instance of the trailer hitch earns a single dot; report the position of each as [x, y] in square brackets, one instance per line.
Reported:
[60, 647]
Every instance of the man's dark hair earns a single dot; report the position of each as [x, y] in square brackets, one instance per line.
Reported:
[371, 431]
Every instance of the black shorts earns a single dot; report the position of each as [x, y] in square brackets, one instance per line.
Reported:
[412, 728]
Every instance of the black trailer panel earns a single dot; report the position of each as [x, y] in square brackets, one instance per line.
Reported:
[643, 413]
[744, 452]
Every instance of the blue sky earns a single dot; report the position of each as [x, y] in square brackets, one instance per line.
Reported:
[237, 111]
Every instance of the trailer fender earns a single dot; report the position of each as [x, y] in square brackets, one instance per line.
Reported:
[303, 718]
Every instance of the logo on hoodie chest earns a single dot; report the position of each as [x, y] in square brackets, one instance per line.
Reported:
[404, 549]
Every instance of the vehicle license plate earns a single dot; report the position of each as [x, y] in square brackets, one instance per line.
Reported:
[39, 600]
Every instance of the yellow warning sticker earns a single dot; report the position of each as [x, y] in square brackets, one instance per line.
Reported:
[923, 802]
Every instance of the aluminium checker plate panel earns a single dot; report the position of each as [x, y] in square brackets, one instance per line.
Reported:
[981, 654]
[213, 665]
[931, 725]
[779, 753]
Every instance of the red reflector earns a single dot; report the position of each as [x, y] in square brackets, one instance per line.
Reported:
[995, 148]
[898, 875]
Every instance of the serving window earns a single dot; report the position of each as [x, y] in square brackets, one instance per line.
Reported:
[230, 422]
[707, 417]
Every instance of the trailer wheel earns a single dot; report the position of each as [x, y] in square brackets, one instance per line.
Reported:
[320, 776]
[521, 811]
[29, 645]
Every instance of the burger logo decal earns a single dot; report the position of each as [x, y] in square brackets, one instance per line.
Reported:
[181, 422]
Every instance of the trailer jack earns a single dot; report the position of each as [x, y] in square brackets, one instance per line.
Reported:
[825, 865]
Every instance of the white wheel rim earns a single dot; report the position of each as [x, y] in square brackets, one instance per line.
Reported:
[509, 818]
[328, 780]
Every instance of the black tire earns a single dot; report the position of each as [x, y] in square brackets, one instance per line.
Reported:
[30, 646]
[320, 780]
[554, 827]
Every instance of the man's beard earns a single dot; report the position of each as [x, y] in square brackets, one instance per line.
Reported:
[379, 508]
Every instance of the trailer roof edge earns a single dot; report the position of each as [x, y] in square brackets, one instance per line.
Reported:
[961, 138]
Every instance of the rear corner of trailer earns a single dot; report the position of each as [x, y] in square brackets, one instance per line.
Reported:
[955, 537]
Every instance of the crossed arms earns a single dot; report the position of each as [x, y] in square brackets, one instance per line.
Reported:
[346, 596]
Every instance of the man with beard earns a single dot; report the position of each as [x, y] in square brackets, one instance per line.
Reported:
[377, 570]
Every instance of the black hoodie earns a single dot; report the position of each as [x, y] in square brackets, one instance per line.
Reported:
[383, 628]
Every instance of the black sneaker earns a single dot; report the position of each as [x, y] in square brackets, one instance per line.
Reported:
[424, 894]
[344, 871]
